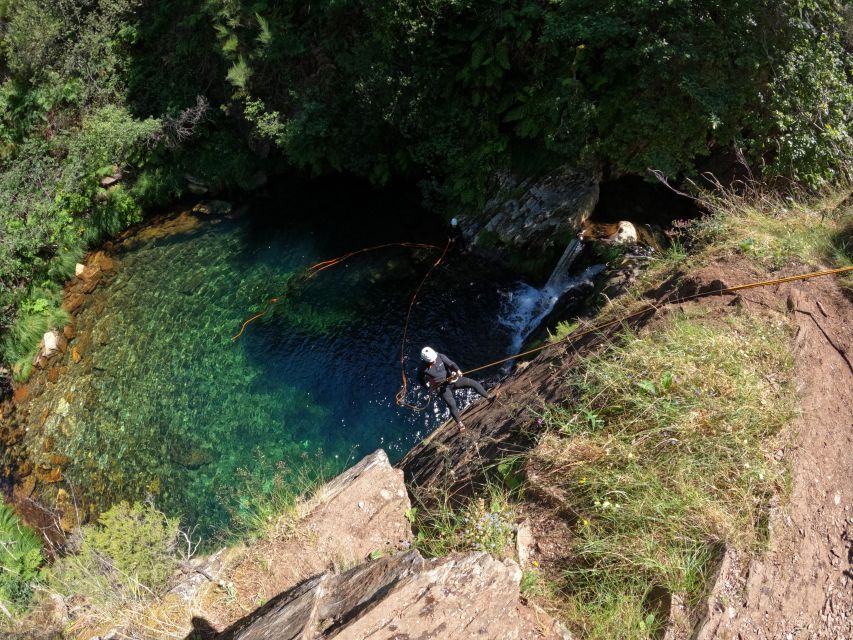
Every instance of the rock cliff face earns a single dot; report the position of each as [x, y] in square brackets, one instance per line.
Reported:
[357, 516]
[533, 213]
[403, 597]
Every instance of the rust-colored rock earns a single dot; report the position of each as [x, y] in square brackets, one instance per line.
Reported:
[102, 261]
[25, 488]
[48, 475]
[91, 283]
[53, 374]
[21, 393]
[59, 460]
[73, 302]
[75, 355]
[25, 469]
[69, 331]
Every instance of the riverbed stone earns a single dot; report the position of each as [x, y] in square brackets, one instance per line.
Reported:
[50, 344]
[102, 261]
[73, 302]
[213, 207]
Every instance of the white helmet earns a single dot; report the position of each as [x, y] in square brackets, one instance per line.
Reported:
[428, 354]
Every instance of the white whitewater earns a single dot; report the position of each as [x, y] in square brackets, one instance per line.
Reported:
[524, 307]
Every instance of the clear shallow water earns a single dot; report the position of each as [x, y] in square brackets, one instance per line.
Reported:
[165, 404]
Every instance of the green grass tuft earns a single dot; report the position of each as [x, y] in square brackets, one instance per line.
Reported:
[479, 524]
[663, 457]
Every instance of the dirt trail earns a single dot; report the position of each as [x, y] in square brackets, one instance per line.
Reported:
[803, 586]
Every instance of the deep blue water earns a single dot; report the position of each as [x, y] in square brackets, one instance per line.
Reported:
[166, 405]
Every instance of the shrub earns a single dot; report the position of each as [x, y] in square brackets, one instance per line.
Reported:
[21, 560]
[131, 552]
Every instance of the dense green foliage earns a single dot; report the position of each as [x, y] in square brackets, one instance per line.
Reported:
[21, 560]
[449, 92]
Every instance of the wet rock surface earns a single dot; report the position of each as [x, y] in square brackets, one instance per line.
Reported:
[533, 213]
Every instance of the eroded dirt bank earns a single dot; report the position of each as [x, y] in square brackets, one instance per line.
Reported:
[803, 586]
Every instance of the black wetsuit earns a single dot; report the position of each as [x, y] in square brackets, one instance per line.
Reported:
[434, 376]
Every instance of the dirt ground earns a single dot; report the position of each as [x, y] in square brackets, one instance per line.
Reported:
[802, 587]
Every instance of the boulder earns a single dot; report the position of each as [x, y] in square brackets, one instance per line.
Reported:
[213, 208]
[403, 596]
[533, 213]
[195, 185]
[79, 269]
[626, 233]
[114, 178]
[50, 344]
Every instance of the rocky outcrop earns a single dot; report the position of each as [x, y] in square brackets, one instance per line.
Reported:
[403, 597]
[535, 213]
[361, 512]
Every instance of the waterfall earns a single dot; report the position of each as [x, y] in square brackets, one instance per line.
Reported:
[559, 277]
[525, 307]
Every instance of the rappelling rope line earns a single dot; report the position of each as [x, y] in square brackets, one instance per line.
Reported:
[325, 264]
[400, 398]
[314, 269]
[653, 307]
[271, 302]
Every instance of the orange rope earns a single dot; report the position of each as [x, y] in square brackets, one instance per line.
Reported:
[314, 269]
[253, 318]
[400, 398]
[605, 325]
[325, 264]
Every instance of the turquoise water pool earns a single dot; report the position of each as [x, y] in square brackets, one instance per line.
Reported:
[166, 405]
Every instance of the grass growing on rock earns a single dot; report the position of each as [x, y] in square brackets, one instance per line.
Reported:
[663, 456]
[479, 524]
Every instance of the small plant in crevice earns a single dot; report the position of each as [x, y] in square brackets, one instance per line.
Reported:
[485, 523]
[488, 528]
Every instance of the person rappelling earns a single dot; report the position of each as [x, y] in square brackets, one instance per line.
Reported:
[440, 375]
